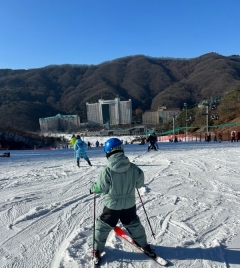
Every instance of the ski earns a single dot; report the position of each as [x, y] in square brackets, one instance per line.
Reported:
[123, 235]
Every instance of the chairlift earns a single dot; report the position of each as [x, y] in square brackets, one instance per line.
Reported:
[213, 107]
[215, 117]
[191, 118]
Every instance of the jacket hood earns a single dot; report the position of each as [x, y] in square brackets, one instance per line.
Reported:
[118, 162]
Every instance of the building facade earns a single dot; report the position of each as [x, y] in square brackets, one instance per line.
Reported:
[150, 117]
[109, 112]
[166, 115]
[160, 116]
[60, 123]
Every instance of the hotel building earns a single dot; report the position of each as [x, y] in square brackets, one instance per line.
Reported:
[109, 112]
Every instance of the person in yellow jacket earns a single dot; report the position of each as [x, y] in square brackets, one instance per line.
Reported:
[73, 140]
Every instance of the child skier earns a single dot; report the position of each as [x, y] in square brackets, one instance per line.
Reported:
[80, 148]
[117, 181]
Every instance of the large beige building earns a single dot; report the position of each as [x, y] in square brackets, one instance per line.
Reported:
[109, 112]
[60, 123]
[150, 117]
[159, 116]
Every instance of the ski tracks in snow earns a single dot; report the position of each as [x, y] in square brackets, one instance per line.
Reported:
[34, 225]
[193, 206]
[192, 201]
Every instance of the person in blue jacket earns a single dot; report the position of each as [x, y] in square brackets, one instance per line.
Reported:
[80, 148]
[118, 181]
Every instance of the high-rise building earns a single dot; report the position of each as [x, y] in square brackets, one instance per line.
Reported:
[109, 112]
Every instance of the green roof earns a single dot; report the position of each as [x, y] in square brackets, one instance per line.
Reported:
[59, 116]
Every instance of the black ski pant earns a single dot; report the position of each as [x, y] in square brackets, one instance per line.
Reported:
[109, 219]
[152, 146]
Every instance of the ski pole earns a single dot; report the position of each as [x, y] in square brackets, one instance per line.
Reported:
[146, 214]
[94, 219]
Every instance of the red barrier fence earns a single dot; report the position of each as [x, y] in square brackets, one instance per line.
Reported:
[203, 136]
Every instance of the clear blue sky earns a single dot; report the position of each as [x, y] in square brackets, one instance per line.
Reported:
[37, 33]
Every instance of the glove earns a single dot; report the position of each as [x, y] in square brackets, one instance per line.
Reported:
[95, 189]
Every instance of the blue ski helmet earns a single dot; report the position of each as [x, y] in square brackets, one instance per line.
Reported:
[113, 145]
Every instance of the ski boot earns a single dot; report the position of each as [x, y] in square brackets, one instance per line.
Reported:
[78, 164]
[96, 258]
[89, 163]
[149, 251]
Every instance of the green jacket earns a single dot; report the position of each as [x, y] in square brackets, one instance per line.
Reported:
[117, 181]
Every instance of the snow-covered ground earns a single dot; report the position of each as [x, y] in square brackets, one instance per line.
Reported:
[191, 195]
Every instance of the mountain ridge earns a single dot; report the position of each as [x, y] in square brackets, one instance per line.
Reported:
[27, 95]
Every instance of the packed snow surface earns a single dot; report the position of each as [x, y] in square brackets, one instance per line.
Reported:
[191, 195]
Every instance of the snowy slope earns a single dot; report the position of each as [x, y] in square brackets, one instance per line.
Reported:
[191, 194]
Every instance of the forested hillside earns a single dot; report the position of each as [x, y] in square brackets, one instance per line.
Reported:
[27, 95]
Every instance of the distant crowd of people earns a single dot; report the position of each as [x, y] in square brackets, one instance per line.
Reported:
[235, 137]
[218, 137]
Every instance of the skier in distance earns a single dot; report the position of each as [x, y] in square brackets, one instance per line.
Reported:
[151, 141]
[73, 140]
[80, 148]
[117, 181]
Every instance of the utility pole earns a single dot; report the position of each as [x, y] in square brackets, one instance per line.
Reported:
[173, 127]
[206, 113]
[185, 105]
[207, 116]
